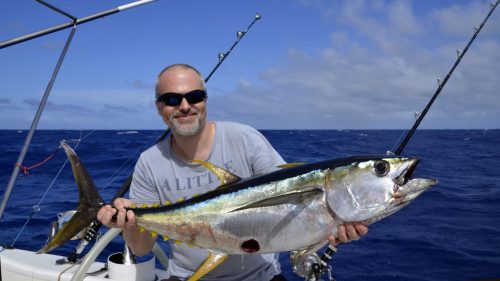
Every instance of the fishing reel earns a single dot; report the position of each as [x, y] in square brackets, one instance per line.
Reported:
[310, 266]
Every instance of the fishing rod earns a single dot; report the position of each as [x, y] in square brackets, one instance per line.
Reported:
[93, 229]
[441, 84]
[74, 22]
[222, 57]
[320, 264]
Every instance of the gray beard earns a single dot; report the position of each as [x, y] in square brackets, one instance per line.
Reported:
[187, 130]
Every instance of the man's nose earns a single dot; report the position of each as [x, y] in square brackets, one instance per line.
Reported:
[184, 105]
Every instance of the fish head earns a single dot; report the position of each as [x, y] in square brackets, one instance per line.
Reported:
[370, 188]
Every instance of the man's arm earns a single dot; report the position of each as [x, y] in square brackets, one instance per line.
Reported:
[139, 242]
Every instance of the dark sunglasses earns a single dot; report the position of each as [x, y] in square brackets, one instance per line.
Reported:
[174, 99]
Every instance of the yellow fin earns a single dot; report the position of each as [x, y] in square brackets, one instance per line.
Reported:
[154, 234]
[144, 205]
[166, 238]
[181, 199]
[223, 175]
[291, 165]
[178, 242]
[141, 229]
[133, 206]
[156, 204]
[167, 203]
[195, 195]
[214, 259]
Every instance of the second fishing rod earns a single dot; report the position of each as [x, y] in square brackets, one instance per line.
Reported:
[321, 264]
[92, 232]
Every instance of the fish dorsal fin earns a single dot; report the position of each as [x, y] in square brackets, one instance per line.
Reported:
[223, 175]
[297, 197]
[213, 260]
[291, 165]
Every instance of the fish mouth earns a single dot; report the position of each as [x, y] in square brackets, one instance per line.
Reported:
[407, 188]
[406, 174]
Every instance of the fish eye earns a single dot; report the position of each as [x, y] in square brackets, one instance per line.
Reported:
[381, 168]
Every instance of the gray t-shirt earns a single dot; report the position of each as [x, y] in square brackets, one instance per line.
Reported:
[161, 176]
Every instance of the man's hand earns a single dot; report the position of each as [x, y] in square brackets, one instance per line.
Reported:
[139, 242]
[124, 219]
[348, 232]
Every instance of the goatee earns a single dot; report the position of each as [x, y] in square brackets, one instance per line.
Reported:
[187, 129]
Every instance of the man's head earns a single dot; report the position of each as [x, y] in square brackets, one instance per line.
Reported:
[186, 113]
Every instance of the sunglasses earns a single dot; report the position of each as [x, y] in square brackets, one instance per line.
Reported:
[174, 99]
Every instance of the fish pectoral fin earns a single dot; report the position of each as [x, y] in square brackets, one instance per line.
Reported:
[291, 165]
[213, 260]
[297, 197]
[298, 257]
[223, 175]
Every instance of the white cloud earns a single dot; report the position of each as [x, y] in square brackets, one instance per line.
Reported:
[364, 87]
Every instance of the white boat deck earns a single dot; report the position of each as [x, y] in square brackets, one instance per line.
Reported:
[21, 265]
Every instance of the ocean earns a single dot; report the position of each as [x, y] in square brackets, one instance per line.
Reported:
[451, 232]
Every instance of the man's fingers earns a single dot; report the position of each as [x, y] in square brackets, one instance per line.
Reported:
[361, 229]
[119, 203]
[130, 223]
[333, 240]
[120, 217]
[352, 234]
[105, 215]
[122, 203]
[342, 234]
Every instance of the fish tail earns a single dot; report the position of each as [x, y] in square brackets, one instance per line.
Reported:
[89, 203]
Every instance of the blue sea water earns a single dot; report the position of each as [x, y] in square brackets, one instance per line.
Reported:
[451, 232]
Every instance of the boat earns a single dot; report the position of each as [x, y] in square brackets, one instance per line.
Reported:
[19, 264]
[23, 265]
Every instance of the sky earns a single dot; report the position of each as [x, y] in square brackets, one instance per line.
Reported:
[306, 64]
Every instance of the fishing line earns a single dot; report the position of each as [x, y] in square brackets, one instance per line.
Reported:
[36, 208]
[126, 164]
[35, 121]
[222, 57]
[74, 22]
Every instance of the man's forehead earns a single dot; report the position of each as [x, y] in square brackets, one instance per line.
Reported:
[178, 75]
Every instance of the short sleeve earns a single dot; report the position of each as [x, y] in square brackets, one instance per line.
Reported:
[142, 188]
[264, 158]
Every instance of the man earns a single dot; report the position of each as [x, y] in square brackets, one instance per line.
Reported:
[165, 173]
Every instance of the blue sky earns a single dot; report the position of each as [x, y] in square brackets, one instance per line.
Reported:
[307, 64]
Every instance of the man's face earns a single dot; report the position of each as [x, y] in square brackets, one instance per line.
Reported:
[184, 119]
